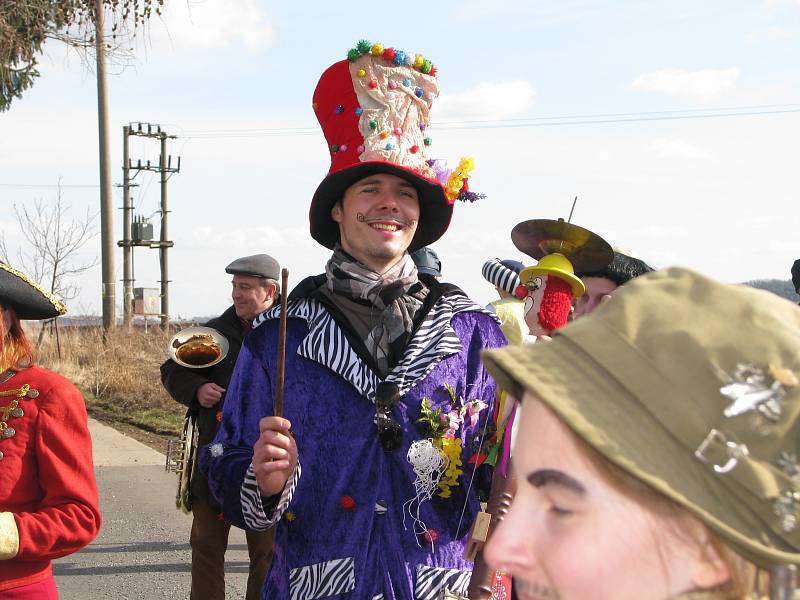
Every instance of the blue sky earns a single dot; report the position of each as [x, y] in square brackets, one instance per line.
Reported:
[718, 194]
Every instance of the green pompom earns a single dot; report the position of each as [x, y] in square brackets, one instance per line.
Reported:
[353, 54]
[335, 148]
[426, 66]
[428, 141]
[373, 125]
[363, 46]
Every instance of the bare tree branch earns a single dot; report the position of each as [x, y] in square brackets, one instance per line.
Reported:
[3, 249]
[53, 243]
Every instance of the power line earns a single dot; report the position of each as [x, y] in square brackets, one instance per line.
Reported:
[44, 185]
[625, 120]
[551, 121]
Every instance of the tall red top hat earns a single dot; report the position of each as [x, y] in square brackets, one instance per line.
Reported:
[374, 111]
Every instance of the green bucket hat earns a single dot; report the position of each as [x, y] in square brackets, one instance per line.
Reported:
[691, 386]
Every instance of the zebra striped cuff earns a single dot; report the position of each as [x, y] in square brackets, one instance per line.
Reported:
[255, 516]
[435, 582]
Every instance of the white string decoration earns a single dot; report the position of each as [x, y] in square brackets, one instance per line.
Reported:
[429, 464]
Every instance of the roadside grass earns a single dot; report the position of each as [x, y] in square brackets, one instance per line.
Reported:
[162, 422]
[118, 374]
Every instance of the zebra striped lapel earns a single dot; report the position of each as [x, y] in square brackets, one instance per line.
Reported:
[327, 344]
[433, 341]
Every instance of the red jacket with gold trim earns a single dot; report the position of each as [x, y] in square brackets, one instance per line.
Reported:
[46, 476]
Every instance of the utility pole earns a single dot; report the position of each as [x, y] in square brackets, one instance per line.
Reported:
[127, 249]
[106, 214]
[165, 170]
[162, 249]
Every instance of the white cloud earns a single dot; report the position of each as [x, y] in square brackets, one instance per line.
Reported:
[778, 3]
[535, 11]
[242, 238]
[784, 246]
[487, 100]
[700, 85]
[773, 34]
[478, 9]
[212, 24]
[677, 148]
[647, 232]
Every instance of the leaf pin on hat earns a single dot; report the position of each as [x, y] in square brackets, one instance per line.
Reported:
[752, 388]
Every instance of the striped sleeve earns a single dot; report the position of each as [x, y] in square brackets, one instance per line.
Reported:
[253, 511]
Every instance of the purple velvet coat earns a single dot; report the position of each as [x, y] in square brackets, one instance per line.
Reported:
[340, 522]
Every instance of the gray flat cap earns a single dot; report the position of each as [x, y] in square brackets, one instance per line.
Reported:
[258, 265]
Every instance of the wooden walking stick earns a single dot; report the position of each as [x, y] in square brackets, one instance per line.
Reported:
[281, 366]
[503, 489]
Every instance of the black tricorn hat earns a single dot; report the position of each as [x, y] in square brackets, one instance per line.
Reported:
[29, 300]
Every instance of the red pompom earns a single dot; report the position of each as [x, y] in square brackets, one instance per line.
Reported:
[347, 502]
[431, 536]
[521, 292]
[373, 84]
[389, 54]
[556, 302]
[433, 71]
[414, 149]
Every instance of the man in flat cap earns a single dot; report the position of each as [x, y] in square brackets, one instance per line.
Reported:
[201, 390]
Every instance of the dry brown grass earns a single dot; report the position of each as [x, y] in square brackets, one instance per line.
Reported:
[118, 373]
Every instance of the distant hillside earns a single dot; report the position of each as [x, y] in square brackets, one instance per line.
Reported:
[782, 288]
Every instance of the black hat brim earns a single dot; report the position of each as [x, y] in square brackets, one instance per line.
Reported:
[435, 211]
[28, 299]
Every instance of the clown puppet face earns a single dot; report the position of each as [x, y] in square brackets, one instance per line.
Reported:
[548, 303]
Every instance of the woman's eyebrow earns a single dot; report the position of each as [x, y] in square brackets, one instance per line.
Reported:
[552, 477]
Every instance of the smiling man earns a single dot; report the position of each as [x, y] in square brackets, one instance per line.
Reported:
[373, 492]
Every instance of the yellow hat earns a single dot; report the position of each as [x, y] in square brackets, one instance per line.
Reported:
[557, 265]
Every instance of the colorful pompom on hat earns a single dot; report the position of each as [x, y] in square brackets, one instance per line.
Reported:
[28, 299]
[374, 108]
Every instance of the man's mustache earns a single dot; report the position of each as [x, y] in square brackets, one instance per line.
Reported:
[362, 218]
[532, 588]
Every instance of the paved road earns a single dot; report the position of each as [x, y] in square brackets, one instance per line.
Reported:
[142, 551]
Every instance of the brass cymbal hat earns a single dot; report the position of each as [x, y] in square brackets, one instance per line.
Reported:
[561, 249]
[586, 250]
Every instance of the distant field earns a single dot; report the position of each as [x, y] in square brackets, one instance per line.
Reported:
[119, 376]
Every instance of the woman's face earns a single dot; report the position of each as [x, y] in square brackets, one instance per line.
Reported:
[570, 535]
